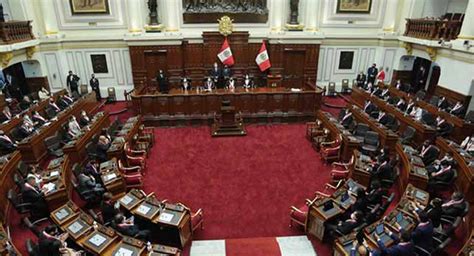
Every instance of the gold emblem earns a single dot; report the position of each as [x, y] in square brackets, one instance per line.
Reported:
[225, 25]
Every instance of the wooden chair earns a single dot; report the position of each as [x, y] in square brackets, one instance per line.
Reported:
[340, 171]
[312, 128]
[331, 150]
[135, 157]
[132, 175]
[197, 218]
[299, 215]
[328, 190]
[320, 138]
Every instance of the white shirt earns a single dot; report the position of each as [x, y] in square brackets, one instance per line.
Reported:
[43, 95]
[74, 128]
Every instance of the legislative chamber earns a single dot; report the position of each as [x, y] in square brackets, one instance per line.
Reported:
[250, 127]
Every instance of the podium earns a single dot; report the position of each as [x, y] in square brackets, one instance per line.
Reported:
[274, 81]
[228, 123]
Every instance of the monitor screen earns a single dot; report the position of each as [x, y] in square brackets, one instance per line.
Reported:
[328, 206]
[345, 196]
[399, 217]
[420, 195]
[379, 229]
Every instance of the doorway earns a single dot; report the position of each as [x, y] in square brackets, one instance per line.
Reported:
[294, 69]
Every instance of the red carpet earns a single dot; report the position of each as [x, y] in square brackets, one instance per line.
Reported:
[255, 246]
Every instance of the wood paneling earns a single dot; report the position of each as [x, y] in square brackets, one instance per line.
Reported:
[195, 60]
[453, 96]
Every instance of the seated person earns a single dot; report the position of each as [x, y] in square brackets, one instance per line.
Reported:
[381, 171]
[64, 102]
[84, 119]
[360, 246]
[129, 228]
[377, 91]
[436, 165]
[53, 106]
[108, 208]
[52, 243]
[43, 94]
[446, 174]
[410, 106]
[93, 169]
[103, 144]
[402, 246]
[399, 85]
[361, 201]
[74, 129]
[186, 84]
[230, 84]
[209, 85]
[248, 82]
[346, 227]
[369, 107]
[88, 183]
[25, 103]
[375, 195]
[34, 172]
[25, 129]
[443, 128]
[383, 156]
[383, 118]
[442, 103]
[417, 113]
[457, 110]
[361, 79]
[369, 88]
[434, 211]
[7, 144]
[401, 104]
[6, 115]
[346, 118]
[35, 196]
[468, 144]
[422, 235]
[38, 120]
[428, 152]
[455, 206]
[384, 94]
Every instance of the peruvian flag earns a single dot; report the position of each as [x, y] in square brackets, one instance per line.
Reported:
[225, 54]
[263, 61]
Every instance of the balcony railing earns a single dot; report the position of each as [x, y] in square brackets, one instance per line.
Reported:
[15, 31]
[432, 29]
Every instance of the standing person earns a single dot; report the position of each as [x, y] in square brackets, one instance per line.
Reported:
[372, 73]
[361, 77]
[381, 76]
[72, 82]
[162, 82]
[420, 79]
[94, 83]
[216, 74]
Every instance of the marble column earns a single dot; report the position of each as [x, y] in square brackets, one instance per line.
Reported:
[49, 17]
[135, 18]
[311, 15]
[278, 15]
[171, 14]
[390, 16]
[467, 29]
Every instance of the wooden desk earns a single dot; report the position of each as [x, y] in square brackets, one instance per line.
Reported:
[370, 230]
[359, 170]
[174, 226]
[65, 213]
[148, 209]
[408, 221]
[79, 226]
[349, 142]
[127, 246]
[343, 204]
[129, 129]
[98, 241]
[468, 248]
[423, 132]
[416, 194]
[4, 241]
[409, 171]
[317, 217]
[8, 167]
[132, 199]
[76, 149]
[343, 245]
[177, 103]
[465, 179]
[387, 137]
[33, 149]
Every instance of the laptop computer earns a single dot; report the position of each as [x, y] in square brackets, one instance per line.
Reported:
[344, 196]
[328, 206]
[379, 229]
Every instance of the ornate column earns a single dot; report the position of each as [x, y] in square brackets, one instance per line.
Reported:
[467, 29]
[171, 15]
[390, 16]
[135, 16]
[277, 15]
[311, 15]
[48, 17]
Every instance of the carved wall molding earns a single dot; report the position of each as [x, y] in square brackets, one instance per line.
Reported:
[432, 52]
[5, 58]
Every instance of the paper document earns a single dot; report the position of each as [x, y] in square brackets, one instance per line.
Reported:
[166, 217]
[75, 227]
[97, 240]
[123, 252]
[54, 173]
[110, 176]
[49, 186]
[61, 214]
[143, 209]
[126, 200]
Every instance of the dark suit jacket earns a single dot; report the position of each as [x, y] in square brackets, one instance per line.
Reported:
[36, 199]
[48, 246]
[443, 105]
[162, 83]
[71, 81]
[94, 83]
[7, 145]
[385, 119]
[372, 73]
[402, 106]
[444, 177]
[422, 236]
[458, 112]
[347, 226]
[398, 249]
[375, 196]
[361, 79]
[23, 132]
[435, 215]
[38, 120]
[108, 211]
[430, 155]
[83, 121]
[444, 129]
[347, 122]
[454, 210]
[62, 103]
[128, 230]
[3, 117]
[215, 74]
[24, 105]
[359, 205]
[85, 182]
[370, 108]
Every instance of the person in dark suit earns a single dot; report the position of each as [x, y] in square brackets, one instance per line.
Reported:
[372, 74]
[38, 120]
[5, 115]
[442, 103]
[383, 118]
[216, 75]
[446, 174]
[248, 82]
[422, 235]
[361, 77]
[420, 80]
[94, 83]
[35, 196]
[443, 128]
[162, 81]
[369, 107]
[53, 106]
[84, 119]
[375, 195]
[49, 242]
[383, 156]
[108, 209]
[456, 206]
[428, 152]
[226, 73]
[25, 103]
[345, 227]
[347, 119]
[89, 183]
[403, 245]
[361, 201]
[434, 212]
[410, 106]
[25, 129]
[103, 144]
[458, 110]
[62, 103]
[382, 171]
[72, 81]
[186, 84]
[399, 85]
[401, 104]
[6, 143]
[129, 228]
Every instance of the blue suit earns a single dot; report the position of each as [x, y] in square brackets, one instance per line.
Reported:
[399, 249]
[423, 236]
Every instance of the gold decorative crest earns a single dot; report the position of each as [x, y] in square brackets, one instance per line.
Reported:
[408, 47]
[5, 58]
[30, 51]
[432, 52]
[225, 25]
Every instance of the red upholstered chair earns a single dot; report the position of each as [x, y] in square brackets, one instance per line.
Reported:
[299, 215]
[331, 150]
[320, 137]
[197, 218]
[135, 157]
[312, 128]
[340, 170]
[328, 190]
[129, 169]
[147, 134]
[133, 180]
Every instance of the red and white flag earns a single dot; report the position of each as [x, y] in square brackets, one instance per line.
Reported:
[225, 54]
[263, 61]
